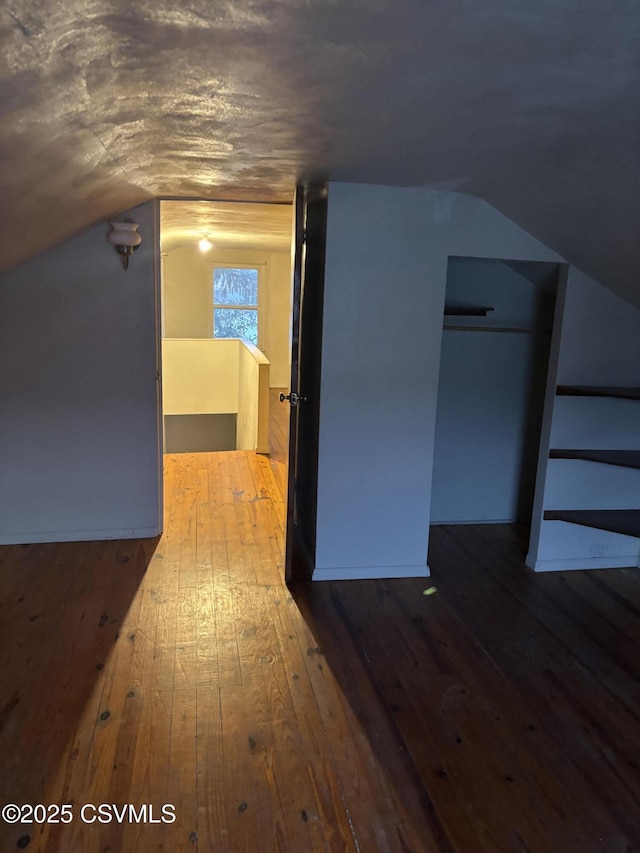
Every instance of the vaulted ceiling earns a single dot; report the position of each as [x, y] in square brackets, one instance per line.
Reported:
[532, 105]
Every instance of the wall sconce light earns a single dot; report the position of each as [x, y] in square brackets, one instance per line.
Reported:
[205, 244]
[124, 236]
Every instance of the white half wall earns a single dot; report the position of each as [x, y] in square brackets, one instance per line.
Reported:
[79, 429]
[253, 399]
[210, 376]
[200, 376]
[386, 267]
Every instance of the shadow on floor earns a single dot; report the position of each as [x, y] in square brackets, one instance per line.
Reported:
[62, 609]
[502, 701]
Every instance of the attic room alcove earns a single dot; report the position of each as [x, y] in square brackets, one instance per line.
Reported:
[493, 373]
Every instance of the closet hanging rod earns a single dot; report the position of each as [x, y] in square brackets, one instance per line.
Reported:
[448, 328]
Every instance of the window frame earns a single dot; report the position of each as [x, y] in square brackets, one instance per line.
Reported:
[258, 308]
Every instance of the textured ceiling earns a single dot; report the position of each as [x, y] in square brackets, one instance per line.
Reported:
[226, 224]
[532, 105]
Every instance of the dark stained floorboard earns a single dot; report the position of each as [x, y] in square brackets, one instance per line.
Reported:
[499, 713]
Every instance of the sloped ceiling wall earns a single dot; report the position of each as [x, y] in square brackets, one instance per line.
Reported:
[531, 105]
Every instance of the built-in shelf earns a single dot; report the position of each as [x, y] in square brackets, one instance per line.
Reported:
[466, 310]
[625, 521]
[624, 458]
[626, 392]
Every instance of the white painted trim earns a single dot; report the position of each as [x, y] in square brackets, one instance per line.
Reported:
[548, 411]
[259, 307]
[360, 573]
[585, 563]
[78, 535]
[158, 272]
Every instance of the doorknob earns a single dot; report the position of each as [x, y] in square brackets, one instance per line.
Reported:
[293, 398]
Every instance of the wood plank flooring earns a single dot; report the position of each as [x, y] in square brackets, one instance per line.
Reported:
[499, 713]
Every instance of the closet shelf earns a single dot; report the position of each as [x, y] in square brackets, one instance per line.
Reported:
[625, 521]
[466, 310]
[626, 392]
[623, 458]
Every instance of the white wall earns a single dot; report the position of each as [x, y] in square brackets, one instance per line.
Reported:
[599, 345]
[600, 336]
[483, 430]
[187, 299]
[186, 294]
[386, 266]
[79, 423]
[277, 327]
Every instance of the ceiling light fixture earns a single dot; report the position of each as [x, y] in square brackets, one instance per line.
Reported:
[205, 244]
[124, 236]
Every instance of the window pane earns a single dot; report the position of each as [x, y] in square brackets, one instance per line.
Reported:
[235, 286]
[236, 323]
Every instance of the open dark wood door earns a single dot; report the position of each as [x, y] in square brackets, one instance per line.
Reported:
[310, 230]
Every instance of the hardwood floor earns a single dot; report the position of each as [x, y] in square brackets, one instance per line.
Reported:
[498, 713]
[516, 695]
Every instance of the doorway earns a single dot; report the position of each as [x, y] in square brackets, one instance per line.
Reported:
[225, 276]
[495, 354]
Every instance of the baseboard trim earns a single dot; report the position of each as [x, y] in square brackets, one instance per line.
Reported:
[353, 573]
[78, 535]
[630, 562]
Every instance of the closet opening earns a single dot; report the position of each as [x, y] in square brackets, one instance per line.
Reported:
[496, 340]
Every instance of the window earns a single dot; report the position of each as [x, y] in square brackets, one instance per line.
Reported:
[235, 302]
